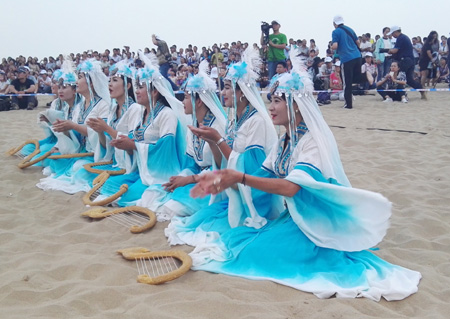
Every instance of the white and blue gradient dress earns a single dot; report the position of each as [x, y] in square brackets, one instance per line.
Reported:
[57, 110]
[249, 143]
[160, 146]
[129, 117]
[63, 172]
[199, 159]
[318, 243]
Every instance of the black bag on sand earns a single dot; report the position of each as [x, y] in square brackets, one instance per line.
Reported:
[5, 104]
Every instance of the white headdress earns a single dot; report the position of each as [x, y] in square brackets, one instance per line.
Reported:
[245, 73]
[66, 74]
[206, 88]
[122, 68]
[99, 80]
[297, 86]
[150, 75]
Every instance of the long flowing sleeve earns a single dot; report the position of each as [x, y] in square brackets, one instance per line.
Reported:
[332, 215]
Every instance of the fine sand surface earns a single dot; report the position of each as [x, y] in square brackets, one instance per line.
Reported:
[56, 264]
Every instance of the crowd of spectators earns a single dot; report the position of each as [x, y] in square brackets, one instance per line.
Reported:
[323, 65]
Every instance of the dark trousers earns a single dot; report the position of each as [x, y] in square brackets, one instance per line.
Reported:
[394, 95]
[384, 68]
[24, 102]
[407, 66]
[351, 73]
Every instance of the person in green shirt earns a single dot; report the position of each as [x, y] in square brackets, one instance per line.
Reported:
[275, 47]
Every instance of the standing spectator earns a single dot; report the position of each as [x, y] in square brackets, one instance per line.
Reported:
[45, 83]
[277, 44]
[365, 45]
[443, 47]
[163, 55]
[377, 37]
[429, 58]
[22, 85]
[346, 43]
[383, 60]
[417, 49]
[403, 52]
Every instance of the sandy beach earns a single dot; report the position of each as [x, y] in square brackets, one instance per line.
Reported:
[56, 264]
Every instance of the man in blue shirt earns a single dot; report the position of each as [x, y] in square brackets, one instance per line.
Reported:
[346, 43]
[403, 54]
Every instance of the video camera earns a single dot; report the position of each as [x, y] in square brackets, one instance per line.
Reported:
[265, 28]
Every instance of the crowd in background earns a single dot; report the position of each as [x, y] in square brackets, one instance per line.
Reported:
[323, 64]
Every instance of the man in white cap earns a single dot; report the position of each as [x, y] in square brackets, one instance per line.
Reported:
[403, 54]
[275, 51]
[45, 83]
[346, 44]
[325, 71]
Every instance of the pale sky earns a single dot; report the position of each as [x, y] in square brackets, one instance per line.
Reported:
[48, 27]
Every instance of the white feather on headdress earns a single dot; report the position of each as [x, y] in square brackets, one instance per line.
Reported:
[247, 70]
[252, 58]
[67, 71]
[151, 66]
[122, 68]
[150, 73]
[201, 81]
[206, 87]
[68, 66]
[299, 67]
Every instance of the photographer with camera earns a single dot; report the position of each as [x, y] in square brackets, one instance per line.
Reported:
[164, 57]
[276, 43]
